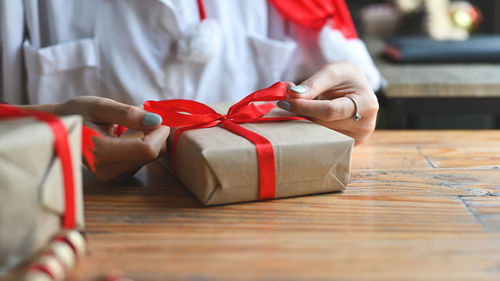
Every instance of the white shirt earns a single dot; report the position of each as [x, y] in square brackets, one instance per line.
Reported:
[127, 50]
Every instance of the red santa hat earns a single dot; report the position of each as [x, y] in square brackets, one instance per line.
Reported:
[337, 37]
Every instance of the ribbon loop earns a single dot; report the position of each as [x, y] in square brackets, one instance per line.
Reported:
[274, 93]
[182, 113]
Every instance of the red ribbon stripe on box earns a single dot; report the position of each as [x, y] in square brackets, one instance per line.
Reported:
[62, 150]
[188, 115]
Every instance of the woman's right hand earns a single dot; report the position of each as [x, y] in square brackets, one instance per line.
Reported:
[116, 157]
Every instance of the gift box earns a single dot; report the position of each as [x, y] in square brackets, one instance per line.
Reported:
[219, 165]
[40, 190]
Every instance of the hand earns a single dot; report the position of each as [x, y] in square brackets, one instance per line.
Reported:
[117, 157]
[322, 98]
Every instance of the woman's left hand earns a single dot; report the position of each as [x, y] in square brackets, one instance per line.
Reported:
[323, 99]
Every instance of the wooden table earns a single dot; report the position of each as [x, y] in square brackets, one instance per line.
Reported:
[436, 89]
[421, 205]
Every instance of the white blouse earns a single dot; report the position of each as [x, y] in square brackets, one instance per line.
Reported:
[131, 50]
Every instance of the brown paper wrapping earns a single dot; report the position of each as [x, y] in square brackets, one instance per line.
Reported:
[220, 167]
[31, 186]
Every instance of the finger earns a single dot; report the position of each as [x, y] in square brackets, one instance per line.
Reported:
[111, 112]
[326, 110]
[122, 157]
[157, 139]
[323, 80]
[114, 149]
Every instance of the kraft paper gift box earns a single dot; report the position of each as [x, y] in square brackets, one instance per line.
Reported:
[32, 199]
[220, 167]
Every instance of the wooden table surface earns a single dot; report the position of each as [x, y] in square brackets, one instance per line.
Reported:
[421, 205]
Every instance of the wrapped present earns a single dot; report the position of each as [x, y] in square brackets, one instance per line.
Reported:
[254, 151]
[40, 187]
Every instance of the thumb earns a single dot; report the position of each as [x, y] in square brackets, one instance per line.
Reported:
[111, 112]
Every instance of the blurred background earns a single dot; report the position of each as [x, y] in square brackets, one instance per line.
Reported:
[441, 60]
[490, 10]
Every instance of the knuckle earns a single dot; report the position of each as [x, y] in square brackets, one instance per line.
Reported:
[361, 139]
[330, 112]
[332, 68]
[102, 102]
[310, 85]
[340, 67]
[96, 106]
[368, 128]
[127, 111]
[374, 105]
[369, 103]
[102, 172]
[149, 151]
[363, 133]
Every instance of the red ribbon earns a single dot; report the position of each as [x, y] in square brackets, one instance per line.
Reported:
[61, 147]
[188, 115]
[201, 10]
[314, 14]
[88, 146]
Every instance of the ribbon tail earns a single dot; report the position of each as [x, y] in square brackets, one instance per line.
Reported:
[120, 129]
[88, 146]
[265, 159]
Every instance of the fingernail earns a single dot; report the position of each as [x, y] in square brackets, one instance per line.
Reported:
[284, 105]
[151, 119]
[299, 89]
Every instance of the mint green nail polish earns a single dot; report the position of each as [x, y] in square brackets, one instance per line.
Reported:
[284, 105]
[151, 119]
[299, 89]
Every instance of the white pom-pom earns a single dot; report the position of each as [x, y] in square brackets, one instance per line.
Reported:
[201, 43]
[335, 47]
[333, 44]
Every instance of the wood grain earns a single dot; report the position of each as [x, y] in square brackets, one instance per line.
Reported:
[420, 206]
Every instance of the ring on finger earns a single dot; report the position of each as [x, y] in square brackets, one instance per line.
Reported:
[356, 116]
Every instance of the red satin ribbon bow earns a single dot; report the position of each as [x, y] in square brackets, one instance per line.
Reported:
[187, 115]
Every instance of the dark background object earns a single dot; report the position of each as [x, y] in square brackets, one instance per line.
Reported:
[412, 23]
[478, 49]
[436, 113]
